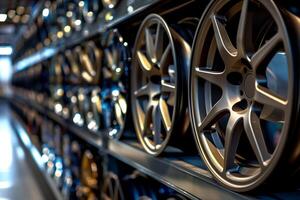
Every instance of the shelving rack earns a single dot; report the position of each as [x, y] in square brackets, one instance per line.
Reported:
[185, 174]
[122, 15]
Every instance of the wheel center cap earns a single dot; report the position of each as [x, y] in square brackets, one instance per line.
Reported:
[249, 85]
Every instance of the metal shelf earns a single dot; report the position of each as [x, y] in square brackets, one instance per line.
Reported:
[123, 12]
[184, 174]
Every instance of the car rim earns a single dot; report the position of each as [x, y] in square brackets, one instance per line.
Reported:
[156, 86]
[90, 61]
[89, 171]
[114, 83]
[112, 188]
[241, 87]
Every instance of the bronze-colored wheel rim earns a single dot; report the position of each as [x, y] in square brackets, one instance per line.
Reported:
[241, 91]
[156, 86]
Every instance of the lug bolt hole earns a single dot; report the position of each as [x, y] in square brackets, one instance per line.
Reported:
[240, 106]
[235, 78]
[241, 93]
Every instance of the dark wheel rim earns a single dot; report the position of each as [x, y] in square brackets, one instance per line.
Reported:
[154, 85]
[241, 90]
[112, 188]
[114, 83]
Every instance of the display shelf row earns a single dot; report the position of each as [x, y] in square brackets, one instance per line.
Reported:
[186, 174]
[123, 13]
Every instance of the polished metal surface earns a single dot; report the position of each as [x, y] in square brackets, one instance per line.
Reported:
[17, 179]
[241, 114]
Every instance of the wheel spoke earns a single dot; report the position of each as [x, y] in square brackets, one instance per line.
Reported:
[159, 41]
[265, 96]
[150, 46]
[167, 87]
[166, 119]
[109, 57]
[119, 115]
[265, 51]
[217, 111]
[147, 120]
[144, 62]
[166, 60]
[242, 29]
[110, 188]
[232, 138]
[225, 47]
[143, 91]
[156, 122]
[115, 55]
[147, 66]
[116, 190]
[213, 77]
[256, 138]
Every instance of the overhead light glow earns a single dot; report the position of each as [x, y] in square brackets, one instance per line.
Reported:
[77, 22]
[45, 12]
[5, 50]
[3, 17]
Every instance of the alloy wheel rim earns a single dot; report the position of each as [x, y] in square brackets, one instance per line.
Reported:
[247, 103]
[114, 83]
[154, 83]
[112, 189]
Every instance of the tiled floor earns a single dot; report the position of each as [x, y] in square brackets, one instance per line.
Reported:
[16, 177]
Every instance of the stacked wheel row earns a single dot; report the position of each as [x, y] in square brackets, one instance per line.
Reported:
[59, 20]
[80, 172]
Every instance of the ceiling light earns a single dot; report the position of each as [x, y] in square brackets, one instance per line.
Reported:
[6, 50]
[81, 3]
[3, 17]
[16, 19]
[20, 10]
[45, 12]
[77, 22]
[25, 18]
[11, 13]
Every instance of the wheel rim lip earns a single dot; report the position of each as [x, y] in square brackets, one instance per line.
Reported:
[134, 100]
[198, 44]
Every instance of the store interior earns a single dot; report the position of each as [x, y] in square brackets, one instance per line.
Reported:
[149, 99]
